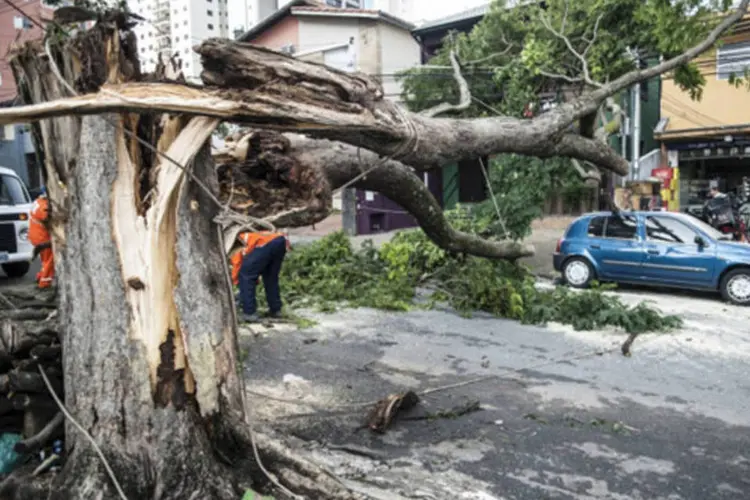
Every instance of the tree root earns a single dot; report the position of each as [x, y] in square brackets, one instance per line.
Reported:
[300, 476]
[191, 476]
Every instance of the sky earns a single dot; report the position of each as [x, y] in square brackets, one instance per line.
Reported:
[426, 10]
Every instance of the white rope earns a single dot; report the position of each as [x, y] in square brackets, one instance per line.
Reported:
[407, 147]
[83, 431]
[494, 199]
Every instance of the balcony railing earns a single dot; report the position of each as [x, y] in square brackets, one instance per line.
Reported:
[647, 163]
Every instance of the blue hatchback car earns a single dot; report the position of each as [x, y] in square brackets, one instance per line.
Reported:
[663, 249]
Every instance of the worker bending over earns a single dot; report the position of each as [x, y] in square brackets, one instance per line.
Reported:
[39, 237]
[262, 254]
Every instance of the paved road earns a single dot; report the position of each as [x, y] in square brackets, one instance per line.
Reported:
[670, 422]
[29, 278]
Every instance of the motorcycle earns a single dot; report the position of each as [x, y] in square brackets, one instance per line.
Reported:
[723, 213]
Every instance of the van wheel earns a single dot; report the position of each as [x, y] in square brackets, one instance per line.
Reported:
[16, 269]
[578, 273]
[735, 287]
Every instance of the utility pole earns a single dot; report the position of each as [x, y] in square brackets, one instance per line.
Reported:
[625, 125]
[636, 127]
[349, 211]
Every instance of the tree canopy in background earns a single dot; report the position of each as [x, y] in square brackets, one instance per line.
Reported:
[550, 50]
[514, 55]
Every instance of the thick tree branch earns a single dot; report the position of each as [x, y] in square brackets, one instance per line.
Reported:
[385, 129]
[591, 150]
[270, 90]
[342, 162]
[464, 100]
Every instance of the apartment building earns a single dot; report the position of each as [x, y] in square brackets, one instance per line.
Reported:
[708, 140]
[16, 147]
[173, 27]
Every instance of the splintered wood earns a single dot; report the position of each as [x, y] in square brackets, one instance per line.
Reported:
[258, 177]
[384, 413]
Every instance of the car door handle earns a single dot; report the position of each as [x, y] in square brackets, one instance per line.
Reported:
[596, 247]
[653, 251]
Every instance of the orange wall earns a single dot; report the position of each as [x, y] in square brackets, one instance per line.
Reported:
[282, 33]
[721, 103]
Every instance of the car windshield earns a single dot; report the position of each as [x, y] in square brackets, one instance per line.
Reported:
[711, 231]
[12, 191]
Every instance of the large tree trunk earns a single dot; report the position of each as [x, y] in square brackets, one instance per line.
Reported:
[146, 310]
[149, 339]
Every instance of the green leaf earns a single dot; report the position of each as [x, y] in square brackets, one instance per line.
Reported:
[252, 495]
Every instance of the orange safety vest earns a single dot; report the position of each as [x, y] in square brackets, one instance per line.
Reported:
[38, 233]
[251, 241]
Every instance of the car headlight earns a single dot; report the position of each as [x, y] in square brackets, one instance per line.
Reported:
[23, 234]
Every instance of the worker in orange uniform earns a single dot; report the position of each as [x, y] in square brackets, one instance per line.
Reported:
[39, 237]
[262, 254]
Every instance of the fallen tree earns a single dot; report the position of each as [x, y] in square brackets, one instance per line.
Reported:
[149, 339]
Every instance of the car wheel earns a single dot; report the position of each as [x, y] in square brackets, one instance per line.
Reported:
[16, 269]
[735, 287]
[578, 273]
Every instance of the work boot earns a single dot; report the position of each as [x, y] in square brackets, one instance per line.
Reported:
[274, 315]
[248, 318]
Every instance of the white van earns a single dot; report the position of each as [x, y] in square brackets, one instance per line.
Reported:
[15, 206]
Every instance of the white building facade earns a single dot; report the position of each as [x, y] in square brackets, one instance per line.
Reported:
[173, 27]
[257, 10]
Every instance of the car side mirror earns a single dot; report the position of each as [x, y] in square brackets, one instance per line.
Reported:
[700, 241]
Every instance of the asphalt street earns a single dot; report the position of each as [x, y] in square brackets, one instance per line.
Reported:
[29, 278]
[567, 416]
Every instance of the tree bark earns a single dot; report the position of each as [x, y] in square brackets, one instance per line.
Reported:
[146, 310]
[145, 370]
[342, 163]
[266, 89]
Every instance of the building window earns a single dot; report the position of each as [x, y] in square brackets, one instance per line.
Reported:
[210, 13]
[210, 26]
[732, 59]
[21, 23]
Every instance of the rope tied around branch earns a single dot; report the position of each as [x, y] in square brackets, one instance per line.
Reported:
[407, 148]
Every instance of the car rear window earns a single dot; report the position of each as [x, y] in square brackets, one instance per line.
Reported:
[12, 192]
[596, 227]
[621, 226]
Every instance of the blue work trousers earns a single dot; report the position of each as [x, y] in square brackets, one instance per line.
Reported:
[262, 262]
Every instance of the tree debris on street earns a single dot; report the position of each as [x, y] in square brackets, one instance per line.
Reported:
[155, 383]
[388, 408]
